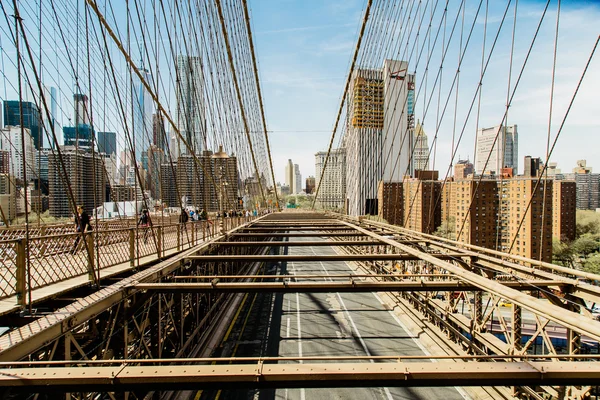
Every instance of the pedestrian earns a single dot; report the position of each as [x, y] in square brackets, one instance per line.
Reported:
[183, 218]
[82, 222]
[203, 215]
[144, 223]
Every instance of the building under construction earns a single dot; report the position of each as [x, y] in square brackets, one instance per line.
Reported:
[379, 136]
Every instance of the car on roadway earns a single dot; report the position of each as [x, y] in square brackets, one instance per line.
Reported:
[595, 310]
[504, 303]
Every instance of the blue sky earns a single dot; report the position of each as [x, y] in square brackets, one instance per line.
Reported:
[304, 49]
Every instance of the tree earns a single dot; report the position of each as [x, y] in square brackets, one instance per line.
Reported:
[586, 244]
[447, 229]
[588, 222]
[563, 253]
[592, 264]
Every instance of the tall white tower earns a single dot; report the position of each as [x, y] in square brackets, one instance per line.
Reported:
[502, 152]
[289, 175]
[142, 117]
[189, 93]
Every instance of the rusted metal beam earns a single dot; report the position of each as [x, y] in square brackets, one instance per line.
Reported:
[296, 228]
[315, 243]
[314, 276]
[319, 257]
[324, 287]
[551, 312]
[308, 375]
[307, 243]
[274, 234]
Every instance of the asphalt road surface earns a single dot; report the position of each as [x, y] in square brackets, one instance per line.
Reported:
[320, 324]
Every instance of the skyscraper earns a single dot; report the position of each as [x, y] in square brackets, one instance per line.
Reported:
[421, 153]
[51, 97]
[310, 185]
[332, 189]
[10, 141]
[80, 136]
[379, 137]
[156, 157]
[107, 142]
[31, 118]
[159, 135]
[189, 94]
[142, 117]
[86, 176]
[502, 154]
[297, 179]
[289, 175]
[80, 109]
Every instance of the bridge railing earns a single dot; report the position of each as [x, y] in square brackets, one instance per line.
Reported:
[16, 232]
[60, 257]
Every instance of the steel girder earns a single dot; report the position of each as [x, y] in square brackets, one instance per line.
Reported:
[297, 234]
[317, 258]
[262, 375]
[551, 312]
[296, 244]
[325, 287]
[24, 341]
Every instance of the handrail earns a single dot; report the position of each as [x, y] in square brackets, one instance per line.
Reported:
[60, 256]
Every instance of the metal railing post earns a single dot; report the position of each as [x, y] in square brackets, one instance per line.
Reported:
[42, 241]
[193, 225]
[204, 231]
[132, 247]
[89, 242]
[179, 228]
[159, 242]
[21, 274]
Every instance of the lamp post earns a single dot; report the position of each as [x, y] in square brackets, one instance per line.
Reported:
[221, 158]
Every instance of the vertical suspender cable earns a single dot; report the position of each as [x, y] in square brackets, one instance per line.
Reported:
[344, 94]
[260, 100]
[23, 157]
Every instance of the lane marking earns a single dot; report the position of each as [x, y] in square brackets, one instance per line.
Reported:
[287, 328]
[460, 390]
[388, 394]
[299, 327]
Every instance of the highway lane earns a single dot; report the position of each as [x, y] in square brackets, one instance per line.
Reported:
[320, 324]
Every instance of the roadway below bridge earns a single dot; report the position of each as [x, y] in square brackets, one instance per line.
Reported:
[319, 325]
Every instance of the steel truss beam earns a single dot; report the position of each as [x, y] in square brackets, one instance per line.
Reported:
[325, 287]
[17, 344]
[571, 320]
[483, 251]
[309, 243]
[310, 375]
[296, 228]
[316, 258]
[276, 235]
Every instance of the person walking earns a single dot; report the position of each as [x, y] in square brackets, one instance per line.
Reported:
[82, 222]
[144, 223]
[183, 219]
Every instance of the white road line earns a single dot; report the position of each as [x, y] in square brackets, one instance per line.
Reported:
[287, 328]
[299, 327]
[460, 390]
[357, 332]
